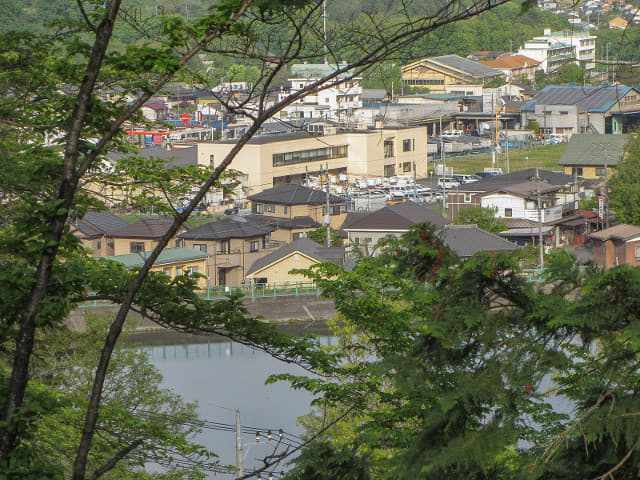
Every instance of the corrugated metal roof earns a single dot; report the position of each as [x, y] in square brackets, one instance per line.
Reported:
[592, 99]
[590, 149]
[465, 65]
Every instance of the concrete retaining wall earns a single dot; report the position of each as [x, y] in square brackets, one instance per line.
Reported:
[271, 309]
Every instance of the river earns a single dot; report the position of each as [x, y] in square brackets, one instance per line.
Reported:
[222, 377]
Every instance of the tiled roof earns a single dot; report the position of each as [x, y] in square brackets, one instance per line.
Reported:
[592, 150]
[513, 61]
[399, 217]
[303, 221]
[167, 256]
[622, 232]
[147, 228]
[177, 158]
[592, 99]
[228, 227]
[304, 246]
[526, 189]
[467, 240]
[96, 224]
[293, 194]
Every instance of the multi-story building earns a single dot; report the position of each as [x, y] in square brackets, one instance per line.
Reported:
[555, 49]
[272, 160]
[338, 102]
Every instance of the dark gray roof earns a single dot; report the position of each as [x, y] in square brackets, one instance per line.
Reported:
[592, 99]
[305, 246]
[592, 150]
[469, 66]
[178, 158]
[147, 228]
[401, 216]
[513, 178]
[228, 227]
[528, 189]
[96, 224]
[302, 221]
[467, 240]
[293, 194]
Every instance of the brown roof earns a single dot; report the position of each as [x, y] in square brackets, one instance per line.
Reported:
[618, 22]
[514, 61]
[622, 232]
[526, 189]
[147, 228]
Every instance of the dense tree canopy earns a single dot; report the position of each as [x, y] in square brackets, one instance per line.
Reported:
[623, 186]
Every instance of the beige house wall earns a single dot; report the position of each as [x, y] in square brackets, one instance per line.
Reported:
[279, 272]
[179, 268]
[365, 155]
[236, 261]
[122, 246]
[423, 72]
[587, 171]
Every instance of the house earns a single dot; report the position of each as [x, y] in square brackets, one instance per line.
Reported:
[618, 245]
[436, 73]
[467, 240]
[290, 201]
[95, 230]
[171, 261]
[515, 67]
[366, 232]
[234, 244]
[593, 156]
[155, 111]
[515, 194]
[277, 266]
[567, 109]
[287, 230]
[272, 160]
[143, 235]
[618, 23]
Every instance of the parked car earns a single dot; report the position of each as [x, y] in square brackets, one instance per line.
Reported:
[448, 182]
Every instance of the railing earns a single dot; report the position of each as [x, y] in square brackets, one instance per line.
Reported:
[262, 290]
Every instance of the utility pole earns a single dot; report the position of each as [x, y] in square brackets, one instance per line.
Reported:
[444, 167]
[324, 31]
[239, 455]
[540, 247]
[327, 218]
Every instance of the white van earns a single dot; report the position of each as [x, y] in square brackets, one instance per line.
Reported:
[452, 133]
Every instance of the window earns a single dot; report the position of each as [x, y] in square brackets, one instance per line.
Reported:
[193, 269]
[264, 241]
[258, 208]
[179, 271]
[576, 171]
[254, 245]
[508, 212]
[167, 271]
[224, 246]
[429, 81]
[467, 198]
[335, 210]
[270, 208]
[601, 172]
[211, 160]
[98, 244]
[136, 247]
[311, 155]
[388, 148]
[286, 209]
[637, 253]
[298, 235]
[178, 242]
[408, 145]
[389, 170]
[406, 167]
[200, 246]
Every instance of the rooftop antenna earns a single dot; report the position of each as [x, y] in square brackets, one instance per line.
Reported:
[324, 30]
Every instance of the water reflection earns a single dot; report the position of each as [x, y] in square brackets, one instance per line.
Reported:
[223, 376]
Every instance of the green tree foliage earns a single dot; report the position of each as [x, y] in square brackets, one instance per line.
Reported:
[464, 365]
[624, 185]
[57, 126]
[484, 218]
[319, 235]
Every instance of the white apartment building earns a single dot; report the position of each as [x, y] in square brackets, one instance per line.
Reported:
[559, 48]
[338, 102]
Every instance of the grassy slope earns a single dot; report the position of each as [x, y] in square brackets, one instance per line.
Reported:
[545, 157]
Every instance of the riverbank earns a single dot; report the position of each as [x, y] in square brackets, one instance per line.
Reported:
[300, 310]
